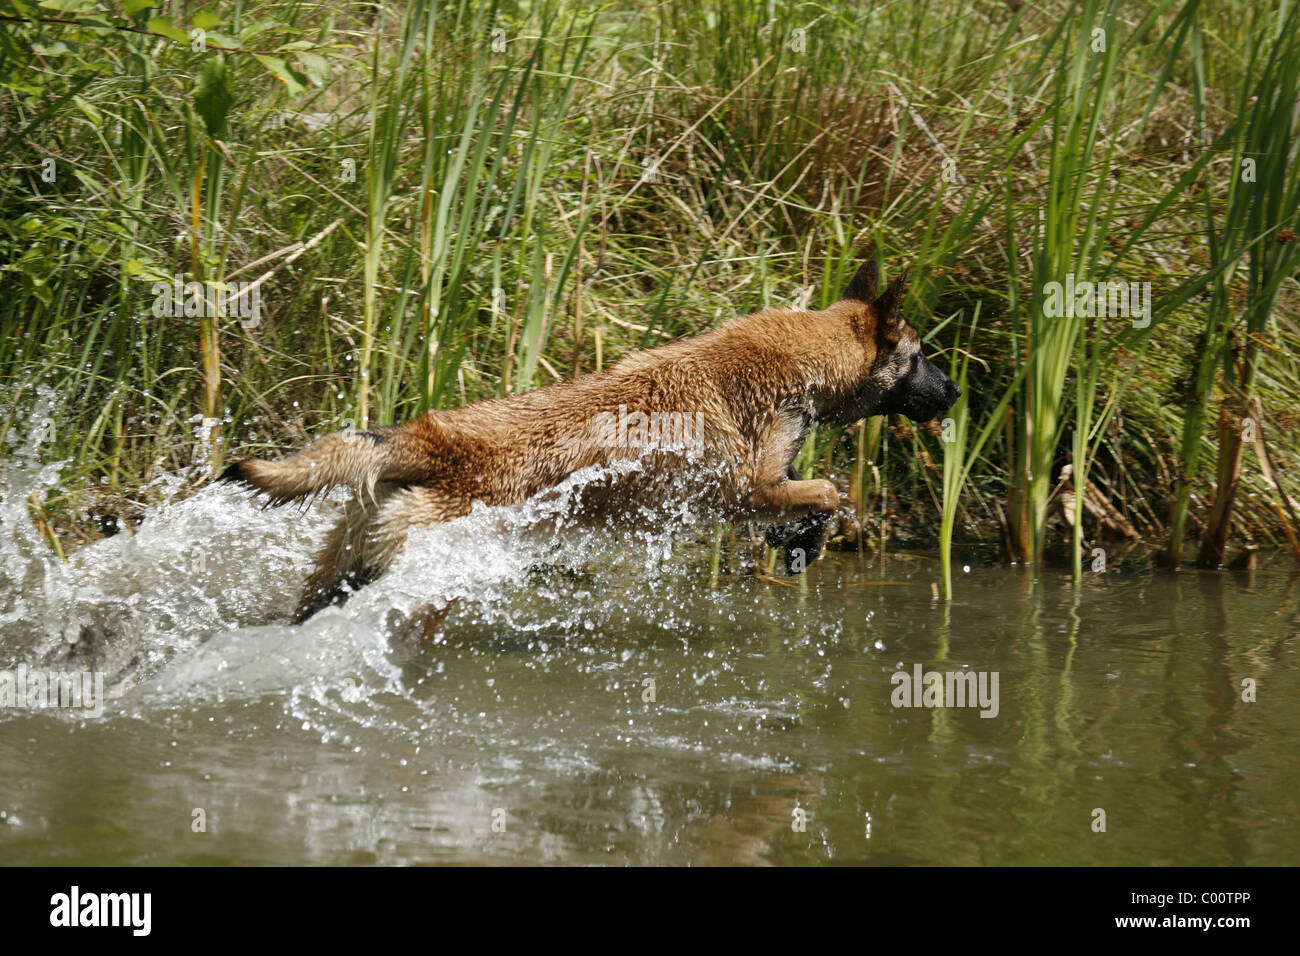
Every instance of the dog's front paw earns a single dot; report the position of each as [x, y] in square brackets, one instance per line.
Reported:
[800, 539]
[777, 535]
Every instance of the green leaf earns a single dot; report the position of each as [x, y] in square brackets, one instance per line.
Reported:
[39, 289]
[53, 48]
[205, 20]
[253, 29]
[293, 80]
[221, 39]
[315, 66]
[69, 6]
[94, 115]
[213, 95]
[165, 27]
[132, 7]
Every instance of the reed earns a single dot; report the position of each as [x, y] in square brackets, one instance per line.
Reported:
[1262, 204]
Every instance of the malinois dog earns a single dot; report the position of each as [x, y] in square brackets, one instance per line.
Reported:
[712, 422]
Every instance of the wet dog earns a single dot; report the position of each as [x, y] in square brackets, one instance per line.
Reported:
[713, 422]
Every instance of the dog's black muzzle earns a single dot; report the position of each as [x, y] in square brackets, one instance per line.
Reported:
[924, 393]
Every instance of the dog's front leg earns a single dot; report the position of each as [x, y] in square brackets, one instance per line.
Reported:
[800, 539]
[778, 493]
[785, 497]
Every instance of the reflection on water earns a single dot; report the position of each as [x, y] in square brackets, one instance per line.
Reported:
[607, 698]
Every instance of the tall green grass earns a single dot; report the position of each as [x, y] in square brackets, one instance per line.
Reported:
[540, 189]
[1263, 199]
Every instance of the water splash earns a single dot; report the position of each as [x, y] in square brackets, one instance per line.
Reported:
[192, 603]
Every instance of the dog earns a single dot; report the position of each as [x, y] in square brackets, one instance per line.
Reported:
[712, 421]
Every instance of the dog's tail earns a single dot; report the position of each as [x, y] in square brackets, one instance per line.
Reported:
[357, 459]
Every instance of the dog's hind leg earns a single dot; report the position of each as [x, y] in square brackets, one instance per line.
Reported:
[367, 538]
[400, 511]
[342, 563]
[428, 618]
[419, 507]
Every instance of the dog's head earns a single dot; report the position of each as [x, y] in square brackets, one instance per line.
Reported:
[899, 379]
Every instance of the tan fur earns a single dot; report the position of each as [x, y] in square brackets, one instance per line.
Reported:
[757, 382]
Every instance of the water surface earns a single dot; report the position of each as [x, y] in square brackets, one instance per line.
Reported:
[607, 698]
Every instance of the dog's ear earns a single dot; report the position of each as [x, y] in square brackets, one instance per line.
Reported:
[863, 285]
[889, 309]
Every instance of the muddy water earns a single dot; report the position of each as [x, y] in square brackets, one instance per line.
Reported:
[612, 698]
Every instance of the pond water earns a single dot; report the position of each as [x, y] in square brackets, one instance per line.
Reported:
[606, 698]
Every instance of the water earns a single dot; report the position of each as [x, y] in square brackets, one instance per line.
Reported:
[531, 732]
